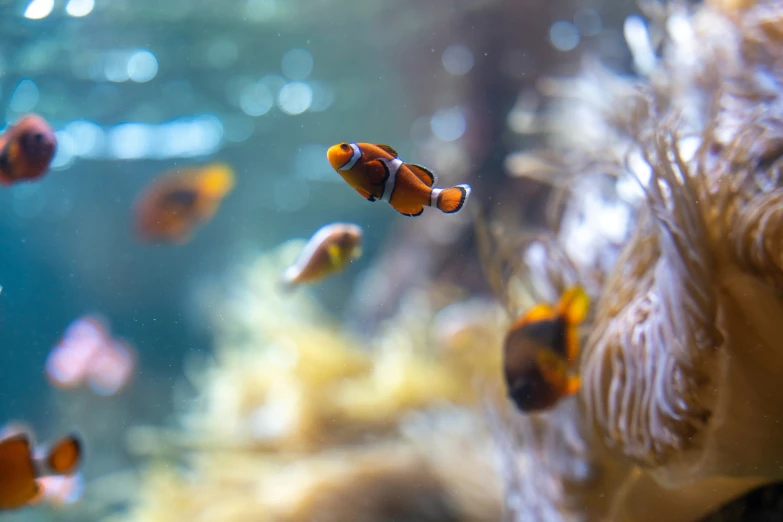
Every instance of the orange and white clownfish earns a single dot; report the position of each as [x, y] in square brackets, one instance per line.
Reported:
[21, 469]
[376, 173]
[332, 248]
[26, 150]
[540, 352]
[171, 208]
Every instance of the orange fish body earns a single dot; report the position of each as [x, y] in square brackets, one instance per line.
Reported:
[21, 470]
[329, 251]
[26, 150]
[174, 205]
[540, 352]
[376, 173]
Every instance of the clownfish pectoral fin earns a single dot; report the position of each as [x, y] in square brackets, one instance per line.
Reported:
[377, 172]
[63, 458]
[552, 367]
[450, 200]
[387, 149]
[573, 305]
[424, 174]
[333, 251]
[539, 312]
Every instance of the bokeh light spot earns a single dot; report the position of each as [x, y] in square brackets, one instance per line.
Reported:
[66, 151]
[142, 66]
[457, 59]
[295, 98]
[448, 124]
[130, 141]
[256, 99]
[564, 35]
[38, 9]
[297, 64]
[323, 96]
[25, 96]
[79, 8]
[88, 138]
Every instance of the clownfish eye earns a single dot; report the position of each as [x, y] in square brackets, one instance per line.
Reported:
[345, 147]
[32, 142]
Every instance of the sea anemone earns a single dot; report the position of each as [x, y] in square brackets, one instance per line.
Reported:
[680, 392]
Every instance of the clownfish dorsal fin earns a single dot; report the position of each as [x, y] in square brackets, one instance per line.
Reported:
[387, 149]
[424, 174]
[573, 305]
[539, 312]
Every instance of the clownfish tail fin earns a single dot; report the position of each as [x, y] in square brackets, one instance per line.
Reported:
[63, 458]
[452, 199]
[287, 282]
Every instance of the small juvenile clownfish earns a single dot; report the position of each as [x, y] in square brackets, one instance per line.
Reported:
[21, 470]
[541, 350]
[328, 252]
[26, 150]
[175, 204]
[376, 173]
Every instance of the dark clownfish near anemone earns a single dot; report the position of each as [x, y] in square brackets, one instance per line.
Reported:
[22, 469]
[26, 150]
[540, 352]
[376, 173]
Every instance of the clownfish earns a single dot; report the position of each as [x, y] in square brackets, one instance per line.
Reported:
[540, 352]
[26, 150]
[21, 470]
[376, 173]
[328, 252]
[175, 204]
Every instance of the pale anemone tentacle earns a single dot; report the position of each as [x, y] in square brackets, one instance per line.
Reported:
[647, 370]
[517, 282]
[758, 237]
[575, 479]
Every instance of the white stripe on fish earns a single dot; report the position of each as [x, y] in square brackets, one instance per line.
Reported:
[388, 188]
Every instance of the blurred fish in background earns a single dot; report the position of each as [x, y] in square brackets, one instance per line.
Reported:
[26, 149]
[176, 203]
